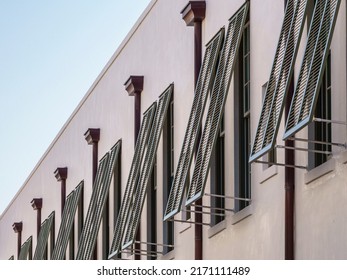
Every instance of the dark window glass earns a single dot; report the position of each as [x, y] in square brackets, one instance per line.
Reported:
[242, 123]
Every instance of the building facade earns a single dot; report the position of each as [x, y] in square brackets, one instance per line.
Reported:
[217, 130]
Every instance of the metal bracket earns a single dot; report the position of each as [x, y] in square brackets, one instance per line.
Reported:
[139, 253]
[155, 244]
[144, 252]
[281, 164]
[304, 149]
[229, 197]
[208, 213]
[189, 222]
[319, 142]
[329, 121]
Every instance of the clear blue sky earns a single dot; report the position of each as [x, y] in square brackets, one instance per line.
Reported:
[50, 54]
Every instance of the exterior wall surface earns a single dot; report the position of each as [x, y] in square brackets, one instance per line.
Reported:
[160, 47]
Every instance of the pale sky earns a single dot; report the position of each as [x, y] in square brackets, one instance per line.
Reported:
[50, 54]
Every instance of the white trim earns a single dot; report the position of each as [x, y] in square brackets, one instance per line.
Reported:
[320, 171]
[222, 225]
[241, 215]
[268, 173]
[342, 158]
[182, 226]
[169, 256]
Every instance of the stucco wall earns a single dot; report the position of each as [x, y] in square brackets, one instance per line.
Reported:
[160, 47]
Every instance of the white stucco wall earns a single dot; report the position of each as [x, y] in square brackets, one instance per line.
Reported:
[160, 47]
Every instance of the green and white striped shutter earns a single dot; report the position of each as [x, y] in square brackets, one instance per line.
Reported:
[146, 169]
[217, 103]
[280, 76]
[134, 173]
[203, 87]
[66, 224]
[97, 203]
[317, 48]
[25, 249]
[42, 240]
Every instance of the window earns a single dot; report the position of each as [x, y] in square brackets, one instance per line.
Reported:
[117, 190]
[168, 172]
[147, 167]
[126, 205]
[219, 93]
[67, 224]
[204, 84]
[320, 131]
[218, 178]
[97, 202]
[242, 123]
[313, 68]
[152, 214]
[46, 230]
[279, 81]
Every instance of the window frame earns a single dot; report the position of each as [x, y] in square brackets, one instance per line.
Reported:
[242, 123]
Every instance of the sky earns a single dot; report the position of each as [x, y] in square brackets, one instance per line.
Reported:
[51, 52]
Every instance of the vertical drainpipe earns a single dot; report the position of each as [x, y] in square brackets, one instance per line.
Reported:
[193, 14]
[92, 136]
[61, 175]
[289, 185]
[17, 228]
[36, 204]
[134, 87]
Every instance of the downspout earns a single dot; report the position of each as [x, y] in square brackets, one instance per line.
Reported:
[193, 14]
[36, 204]
[61, 175]
[92, 136]
[134, 87]
[289, 185]
[17, 228]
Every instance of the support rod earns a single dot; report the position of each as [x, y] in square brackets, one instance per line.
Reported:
[329, 121]
[318, 142]
[230, 197]
[190, 222]
[304, 149]
[282, 164]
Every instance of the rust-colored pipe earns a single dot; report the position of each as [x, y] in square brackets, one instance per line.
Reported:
[61, 175]
[193, 14]
[17, 228]
[289, 185]
[92, 136]
[134, 87]
[137, 112]
[36, 204]
[289, 175]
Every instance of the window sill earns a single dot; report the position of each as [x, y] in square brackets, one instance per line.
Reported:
[319, 171]
[343, 157]
[268, 173]
[217, 228]
[241, 215]
[182, 226]
[169, 256]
